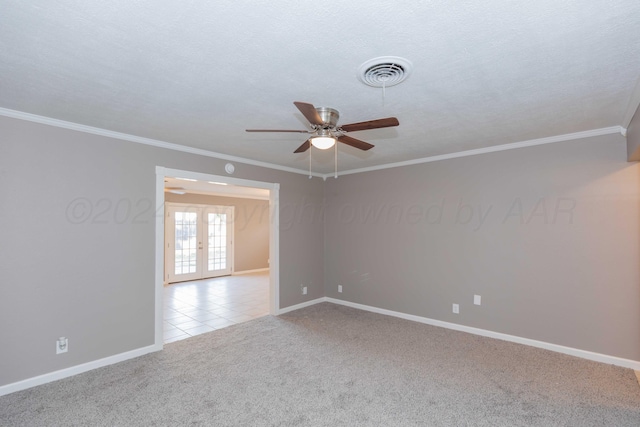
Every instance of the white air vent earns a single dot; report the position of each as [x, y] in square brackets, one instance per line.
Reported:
[384, 71]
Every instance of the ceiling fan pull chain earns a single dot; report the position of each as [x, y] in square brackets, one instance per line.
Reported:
[335, 175]
[309, 162]
[384, 92]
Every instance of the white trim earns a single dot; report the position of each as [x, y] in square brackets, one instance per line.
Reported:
[632, 107]
[274, 249]
[160, 258]
[492, 149]
[257, 270]
[584, 354]
[75, 370]
[146, 141]
[302, 305]
[635, 100]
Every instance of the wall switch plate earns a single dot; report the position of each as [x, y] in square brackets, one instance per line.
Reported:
[62, 345]
[477, 299]
[340, 288]
[456, 308]
[304, 290]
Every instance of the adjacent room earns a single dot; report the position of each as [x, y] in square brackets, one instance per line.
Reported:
[216, 256]
[285, 213]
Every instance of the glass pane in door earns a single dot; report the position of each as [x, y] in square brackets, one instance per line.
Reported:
[186, 242]
[217, 247]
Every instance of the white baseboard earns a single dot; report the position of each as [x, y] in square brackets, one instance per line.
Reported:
[584, 354]
[257, 270]
[75, 370]
[301, 305]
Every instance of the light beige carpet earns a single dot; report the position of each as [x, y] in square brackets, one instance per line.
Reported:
[330, 365]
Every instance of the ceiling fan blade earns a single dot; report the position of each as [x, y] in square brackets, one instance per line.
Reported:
[371, 124]
[276, 130]
[304, 147]
[355, 142]
[175, 190]
[309, 112]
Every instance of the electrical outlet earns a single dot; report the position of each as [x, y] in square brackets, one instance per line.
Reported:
[456, 308]
[304, 290]
[340, 288]
[62, 345]
[477, 299]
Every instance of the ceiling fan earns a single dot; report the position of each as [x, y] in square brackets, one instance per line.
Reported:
[325, 130]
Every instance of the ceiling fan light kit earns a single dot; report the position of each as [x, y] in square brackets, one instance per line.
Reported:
[323, 142]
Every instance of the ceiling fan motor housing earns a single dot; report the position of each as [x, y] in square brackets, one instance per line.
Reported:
[329, 116]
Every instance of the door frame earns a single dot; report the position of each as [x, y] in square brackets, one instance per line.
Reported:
[230, 236]
[274, 236]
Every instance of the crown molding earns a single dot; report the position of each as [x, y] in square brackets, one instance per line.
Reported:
[492, 149]
[146, 141]
[198, 151]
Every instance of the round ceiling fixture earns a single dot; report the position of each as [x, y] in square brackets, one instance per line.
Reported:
[384, 71]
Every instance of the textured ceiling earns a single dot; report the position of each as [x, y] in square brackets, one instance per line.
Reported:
[197, 73]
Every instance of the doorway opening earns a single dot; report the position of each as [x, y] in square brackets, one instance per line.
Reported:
[195, 238]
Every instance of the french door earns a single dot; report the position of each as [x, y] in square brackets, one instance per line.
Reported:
[198, 242]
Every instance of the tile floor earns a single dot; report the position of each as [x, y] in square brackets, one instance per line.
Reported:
[192, 308]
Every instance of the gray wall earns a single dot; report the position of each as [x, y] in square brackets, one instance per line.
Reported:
[547, 235]
[91, 277]
[250, 227]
